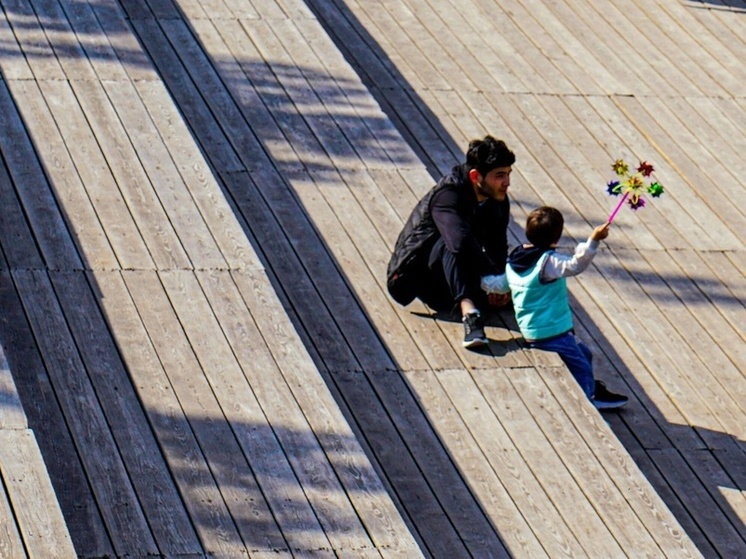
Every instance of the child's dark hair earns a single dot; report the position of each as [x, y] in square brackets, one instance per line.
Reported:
[487, 154]
[544, 226]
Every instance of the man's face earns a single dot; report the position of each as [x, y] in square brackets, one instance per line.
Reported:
[494, 184]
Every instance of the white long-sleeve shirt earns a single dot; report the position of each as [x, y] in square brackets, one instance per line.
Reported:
[556, 266]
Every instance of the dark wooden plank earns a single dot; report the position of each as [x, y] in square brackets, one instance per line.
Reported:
[42, 408]
[35, 506]
[16, 239]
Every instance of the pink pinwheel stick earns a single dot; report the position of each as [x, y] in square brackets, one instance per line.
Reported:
[618, 207]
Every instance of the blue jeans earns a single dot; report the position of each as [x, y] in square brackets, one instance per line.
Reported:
[575, 355]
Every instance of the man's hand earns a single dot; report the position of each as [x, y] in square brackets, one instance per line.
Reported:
[600, 232]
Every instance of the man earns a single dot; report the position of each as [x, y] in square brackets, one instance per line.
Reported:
[456, 235]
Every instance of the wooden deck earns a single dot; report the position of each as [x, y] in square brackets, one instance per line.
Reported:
[198, 200]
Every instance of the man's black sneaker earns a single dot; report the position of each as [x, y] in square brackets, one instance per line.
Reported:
[474, 330]
[604, 399]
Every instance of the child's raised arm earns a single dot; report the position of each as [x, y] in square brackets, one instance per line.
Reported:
[601, 232]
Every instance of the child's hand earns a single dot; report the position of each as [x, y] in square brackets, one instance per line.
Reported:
[601, 232]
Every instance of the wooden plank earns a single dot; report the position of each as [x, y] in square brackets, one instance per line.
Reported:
[264, 369]
[63, 41]
[75, 205]
[184, 92]
[177, 438]
[11, 545]
[129, 50]
[13, 62]
[508, 493]
[119, 400]
[31, 495]
[12, 415]
[250, 524]
[45, 219]
[133, 182]
[104, 468]
[93, 40]
[94, 173]
[42, 408]
[208, 198]
[34, 42]
[282, 474]
[188, 223]
[622, 497]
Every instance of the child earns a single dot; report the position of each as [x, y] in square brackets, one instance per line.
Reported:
[535, 275]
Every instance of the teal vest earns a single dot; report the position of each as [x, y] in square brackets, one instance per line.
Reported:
[542, 310]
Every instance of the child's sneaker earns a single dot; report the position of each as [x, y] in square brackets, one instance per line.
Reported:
[604, 399]
[474, 330]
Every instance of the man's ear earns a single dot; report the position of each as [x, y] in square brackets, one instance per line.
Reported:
[474, 176]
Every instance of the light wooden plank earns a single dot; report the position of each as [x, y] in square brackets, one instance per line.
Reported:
[45, 219]
[30, 35]
[250, 524]
[63, 41]
[12, 62]
[177, 437]
[12, 415]
[93, 40]
[276, 398]
[34, 503]
[189, 225]
[94, 173]
[75, 205]
[11, 545]
[622, 497]
[283, 475]
[137, 190]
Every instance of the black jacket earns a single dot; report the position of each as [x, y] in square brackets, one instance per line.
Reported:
[475, 232]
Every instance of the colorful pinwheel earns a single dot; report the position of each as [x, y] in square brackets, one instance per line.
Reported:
[632, 185]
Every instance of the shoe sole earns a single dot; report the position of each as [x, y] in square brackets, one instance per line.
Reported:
[479, 342]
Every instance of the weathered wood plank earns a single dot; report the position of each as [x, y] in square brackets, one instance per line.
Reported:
[139, 193]
[34, 503]
[177, 438]
[95, 176]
